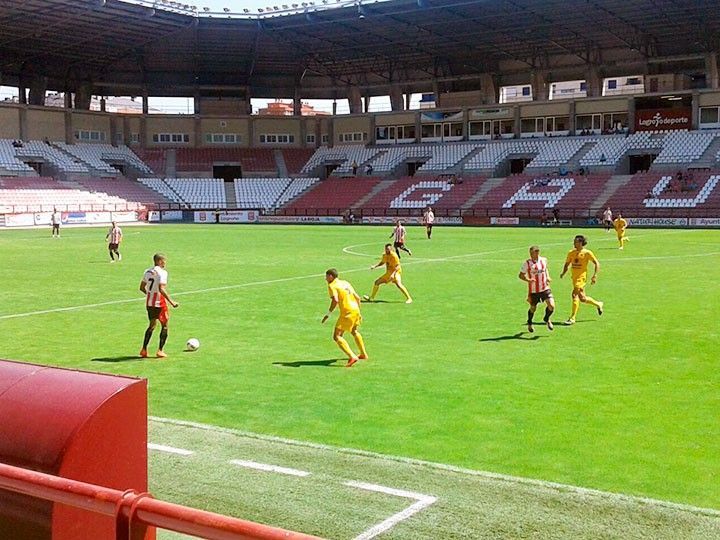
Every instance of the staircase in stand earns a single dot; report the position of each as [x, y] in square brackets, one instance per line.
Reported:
[615, 183]
[490, 184]
[230, 199]
[382, 186]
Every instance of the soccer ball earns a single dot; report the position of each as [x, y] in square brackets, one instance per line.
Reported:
[193, 344]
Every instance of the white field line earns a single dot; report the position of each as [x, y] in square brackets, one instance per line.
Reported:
[269, 468]
[552, 486]
[421, 502]
[271, 281]
[170, 449]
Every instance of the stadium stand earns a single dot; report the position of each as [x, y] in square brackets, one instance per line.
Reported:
[296, 158]
[418, 192]
[531, 194]
[100, 157]
[610, 149]
[460, 193]
[202, 159]
[344, 156]
[684, 147]
[42, 151]
[153, 158]
[192, 192]
[338, 194]
[122, 188]
[42, 194]
[162, 188]
[269, 193]
[9, 161]
[647, 193]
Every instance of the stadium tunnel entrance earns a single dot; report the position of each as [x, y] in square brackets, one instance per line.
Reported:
[227, 172]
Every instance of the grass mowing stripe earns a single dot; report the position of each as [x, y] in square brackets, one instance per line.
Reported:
[242, 285]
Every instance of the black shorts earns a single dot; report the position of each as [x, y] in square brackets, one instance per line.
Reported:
[537, 297]
[56, 226]
[399, 244]
[429, 225]
[153, 312]
[113, 247]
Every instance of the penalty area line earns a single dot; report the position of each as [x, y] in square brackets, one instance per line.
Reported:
[422, 501]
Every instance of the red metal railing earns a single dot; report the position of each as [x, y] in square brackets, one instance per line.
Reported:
[132, 510]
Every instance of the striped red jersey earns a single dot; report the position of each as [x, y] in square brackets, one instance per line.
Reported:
[153, 278]
[399, 233]
[115, 235]
[537, 273]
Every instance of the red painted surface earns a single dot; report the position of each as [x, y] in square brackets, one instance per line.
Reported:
[82, 426]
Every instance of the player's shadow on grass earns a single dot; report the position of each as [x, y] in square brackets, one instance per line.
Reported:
[119, 359]
[520, 335]
[382, 301]
[310, 363]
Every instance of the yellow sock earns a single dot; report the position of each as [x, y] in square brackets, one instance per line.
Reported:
[360, 343]
[344, 346]
[404, 291]
[374, 292]
[592, 301]
[575, 307]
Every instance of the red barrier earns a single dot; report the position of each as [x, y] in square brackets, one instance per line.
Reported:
[134, 511]
[77, 425]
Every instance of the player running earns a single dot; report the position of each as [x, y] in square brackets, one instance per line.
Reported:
[579, 257]
[154, 285]
[114, 236]
[535, 272]
[620, 225]
[399, 239]
[393, 274]
[607, 219]
[343, 295]
[428, 221]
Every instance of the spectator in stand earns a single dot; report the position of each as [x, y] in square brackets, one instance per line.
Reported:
[544, 218]
[369, 169]
[354, 167]
[556, 216]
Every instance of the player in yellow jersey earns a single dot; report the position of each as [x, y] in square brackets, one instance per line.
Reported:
[393, 274]
[343, 295]
[620, 225]
[579, 258]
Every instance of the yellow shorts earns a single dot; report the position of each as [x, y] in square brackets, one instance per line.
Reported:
[620, 235]
[387, 277]
[348, 322]
[580, 283]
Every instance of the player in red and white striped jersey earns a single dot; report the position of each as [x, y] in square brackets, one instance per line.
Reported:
[153, 284]
[398, 236]
[114, 236]
[535, 273]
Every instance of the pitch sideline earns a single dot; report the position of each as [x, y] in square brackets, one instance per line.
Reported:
[553, 486]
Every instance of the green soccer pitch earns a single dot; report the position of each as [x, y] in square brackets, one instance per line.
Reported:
[624, 403]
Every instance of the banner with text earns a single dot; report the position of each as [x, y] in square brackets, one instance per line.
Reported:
[239, 216]
[658, 222]
[663, 119]
[301, 219]
[704, 222]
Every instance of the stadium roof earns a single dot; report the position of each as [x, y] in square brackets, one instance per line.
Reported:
[171, 49]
